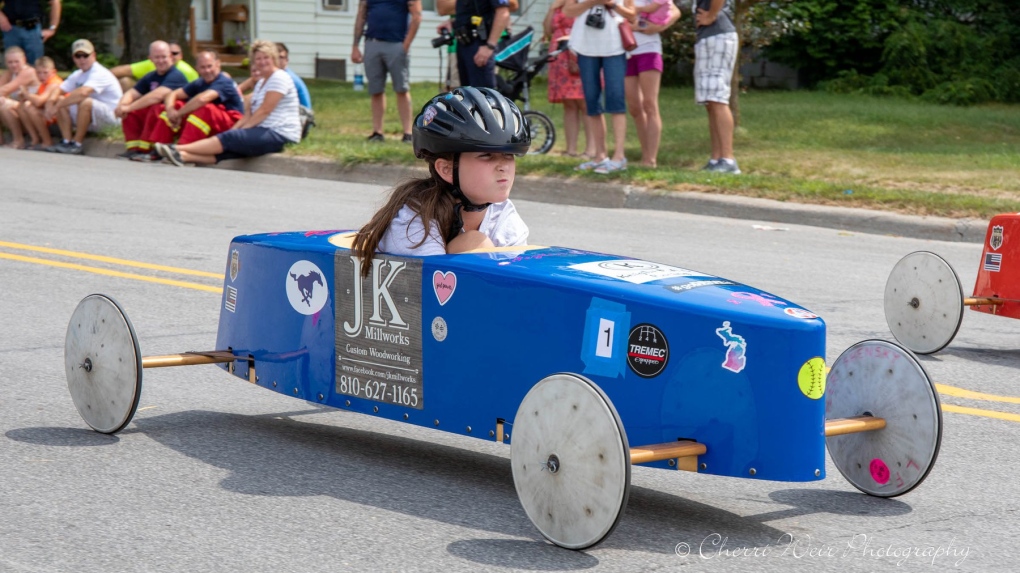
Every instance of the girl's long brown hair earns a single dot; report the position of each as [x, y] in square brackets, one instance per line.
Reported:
[431, 199]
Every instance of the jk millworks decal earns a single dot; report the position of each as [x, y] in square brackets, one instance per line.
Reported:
[379, 330]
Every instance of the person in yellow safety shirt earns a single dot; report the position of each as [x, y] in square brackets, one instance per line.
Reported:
[129, 74]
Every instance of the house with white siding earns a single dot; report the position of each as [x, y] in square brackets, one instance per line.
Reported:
[319, 32]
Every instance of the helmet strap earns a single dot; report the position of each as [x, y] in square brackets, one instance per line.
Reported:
[463, 203]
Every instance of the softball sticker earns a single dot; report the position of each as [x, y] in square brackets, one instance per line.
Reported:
[811, 378]
[879, 471]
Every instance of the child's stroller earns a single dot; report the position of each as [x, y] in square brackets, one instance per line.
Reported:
[513, 57]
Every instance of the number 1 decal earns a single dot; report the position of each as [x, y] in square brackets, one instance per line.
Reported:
[602, 351]
[605, 336]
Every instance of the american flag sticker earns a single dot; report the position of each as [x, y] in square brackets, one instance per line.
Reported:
[993, 261]
[231, 303]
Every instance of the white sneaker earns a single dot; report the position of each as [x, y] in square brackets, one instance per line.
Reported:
[609, 166]
[589, 165]
[727, 166]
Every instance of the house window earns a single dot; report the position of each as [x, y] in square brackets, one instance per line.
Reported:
[334, 5]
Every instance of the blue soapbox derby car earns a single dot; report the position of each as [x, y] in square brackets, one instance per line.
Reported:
[584, 363]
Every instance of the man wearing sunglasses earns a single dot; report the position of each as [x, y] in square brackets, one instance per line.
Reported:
[21, 22]
[85, 101]
[146, 98]
[129, 74]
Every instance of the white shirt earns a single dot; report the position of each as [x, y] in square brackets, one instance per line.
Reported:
[593, 42]
[284, 119]
[501, 224]
[105, 85]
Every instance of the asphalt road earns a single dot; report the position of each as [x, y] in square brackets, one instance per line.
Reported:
[215, 475]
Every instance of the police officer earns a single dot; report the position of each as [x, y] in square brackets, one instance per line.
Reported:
[21, 23]
[477, 25]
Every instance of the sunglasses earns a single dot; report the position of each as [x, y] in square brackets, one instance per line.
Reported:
[80, 55]
[175, 53]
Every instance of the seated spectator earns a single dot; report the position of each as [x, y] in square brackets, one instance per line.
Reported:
[129, 74]
[304, 98]
[270, 120]
[213, 105]
[18, 75]
[145, 99]
[32, 102]
[85, 100]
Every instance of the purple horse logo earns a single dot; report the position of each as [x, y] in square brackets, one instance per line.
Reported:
[306, 283]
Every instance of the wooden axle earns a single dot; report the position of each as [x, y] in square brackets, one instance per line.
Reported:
[669, 450]
[688, 449]
[189, 359]
[983, 301]
[843, 426]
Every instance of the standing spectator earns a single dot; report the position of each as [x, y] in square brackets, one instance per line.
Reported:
[129, 74]
[18, 75]
[715, 55]
[389, 27]
[146, 98]
[21, 24]
[31, 110]
[595, 37]
[85, 100]
[565, 79]
[270, 121]
[213, 106]
[644, 75]
[477, 25]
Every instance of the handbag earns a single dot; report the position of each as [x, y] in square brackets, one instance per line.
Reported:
[572, 66]
[626, 34]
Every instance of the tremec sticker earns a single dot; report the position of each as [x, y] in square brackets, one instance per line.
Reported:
[647, 350]
[378, 329]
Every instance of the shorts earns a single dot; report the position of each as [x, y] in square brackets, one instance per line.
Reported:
[102, 116]
[714, 59]
[382, 57]
[249, 142]
[647, 62]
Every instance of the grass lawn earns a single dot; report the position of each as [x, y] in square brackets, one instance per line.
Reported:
[808, 147]
[811, 147]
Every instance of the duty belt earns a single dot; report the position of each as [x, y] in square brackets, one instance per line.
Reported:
[466, 35]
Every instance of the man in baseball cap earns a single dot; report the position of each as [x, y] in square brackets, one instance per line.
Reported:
[83, 45]
[85, 101]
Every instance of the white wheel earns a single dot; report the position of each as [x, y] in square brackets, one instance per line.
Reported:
[103, 364]
[571, 461]
[882, 379]
[923, 302]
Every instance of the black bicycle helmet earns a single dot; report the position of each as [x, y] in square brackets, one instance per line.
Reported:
[471, 120]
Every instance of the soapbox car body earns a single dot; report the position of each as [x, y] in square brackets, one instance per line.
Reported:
[584, 363]
[924, 300]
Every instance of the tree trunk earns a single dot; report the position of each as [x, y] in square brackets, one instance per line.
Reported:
[144, 21]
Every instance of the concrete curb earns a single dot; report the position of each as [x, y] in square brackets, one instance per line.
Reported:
[586, 193]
